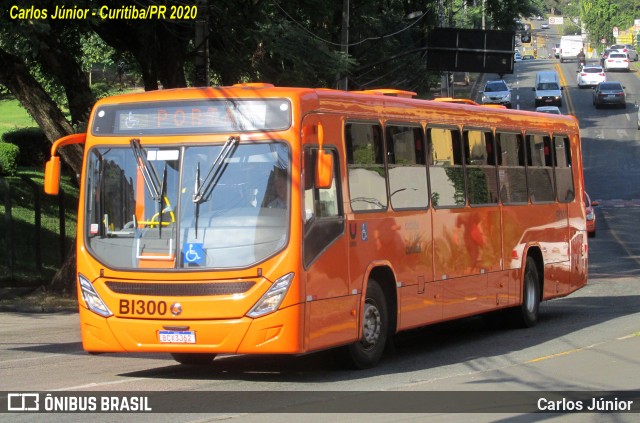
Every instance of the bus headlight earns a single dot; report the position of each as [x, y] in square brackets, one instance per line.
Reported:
[91, 298]
[271, 299]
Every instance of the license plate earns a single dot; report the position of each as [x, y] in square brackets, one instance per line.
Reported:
[176, 337]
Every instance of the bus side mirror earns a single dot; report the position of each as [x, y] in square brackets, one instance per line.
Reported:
[324, 170]
[52, 176]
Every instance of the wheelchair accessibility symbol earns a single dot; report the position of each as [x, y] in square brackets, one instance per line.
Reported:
[193, 253]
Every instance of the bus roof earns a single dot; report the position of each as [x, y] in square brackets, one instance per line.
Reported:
[399, 104]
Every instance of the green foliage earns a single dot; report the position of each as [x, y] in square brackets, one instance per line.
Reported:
[8, 158]
[33, 145]
[600, 16]
[95, 52]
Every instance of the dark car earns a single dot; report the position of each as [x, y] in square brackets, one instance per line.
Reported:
[610, 92]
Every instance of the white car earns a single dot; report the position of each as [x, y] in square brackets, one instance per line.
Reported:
[626, 48]
[544, 26]
[591, 75]
[554, 110]
[617, 61]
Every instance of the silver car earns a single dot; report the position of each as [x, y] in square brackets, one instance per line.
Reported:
[497, 92]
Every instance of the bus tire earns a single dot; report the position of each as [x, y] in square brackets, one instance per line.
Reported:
[526, 315]
[367, 352]
[193, 359]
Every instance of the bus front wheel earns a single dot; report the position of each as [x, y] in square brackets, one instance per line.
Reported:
[526, 315]
[366, 352]
[193, 359]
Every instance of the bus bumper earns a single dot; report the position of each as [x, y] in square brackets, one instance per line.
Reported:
[277, 333]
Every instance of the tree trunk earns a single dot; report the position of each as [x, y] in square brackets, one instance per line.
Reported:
[64, 281]
[59, 62]
[16, 77]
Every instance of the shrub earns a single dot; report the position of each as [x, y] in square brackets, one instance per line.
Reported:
[8, 158]
[33, 144]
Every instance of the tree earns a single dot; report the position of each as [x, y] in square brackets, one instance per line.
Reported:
[43, 62]
[600, 16]
[41, 65]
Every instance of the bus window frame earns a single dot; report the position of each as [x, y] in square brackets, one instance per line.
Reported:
[517, 133]
[529, 165]
[431, 163]
[425, 159]
[567, 141]
[467, 148]
[349, 152]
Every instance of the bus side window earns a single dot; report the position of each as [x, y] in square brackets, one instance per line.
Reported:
[407, 172]
[481, 172]
[367, 176]
[540, 169]
[512, 177]
[564, 175]
[323, 214]
[446, 174]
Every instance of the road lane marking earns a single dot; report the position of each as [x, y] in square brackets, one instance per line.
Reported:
[575, 350]
[560, 354]
[567, 97]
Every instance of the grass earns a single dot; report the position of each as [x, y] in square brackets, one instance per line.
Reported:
[38, 301]
[23, 197]
[13, 116]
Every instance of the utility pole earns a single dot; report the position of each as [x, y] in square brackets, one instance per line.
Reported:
[343, 83]
[444, 79]
[202, 45]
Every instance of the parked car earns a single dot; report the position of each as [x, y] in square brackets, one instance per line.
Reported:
[591, 75]
[591, 215]
[497, 92]
[556, 51]
[626, 48]
[616, 61]
[610, 92]
[554, 110]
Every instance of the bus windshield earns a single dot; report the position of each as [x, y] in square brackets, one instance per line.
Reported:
[196, 206]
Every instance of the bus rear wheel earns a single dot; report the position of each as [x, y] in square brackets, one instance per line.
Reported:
[526, 315]
[366, 352]
[193, 359]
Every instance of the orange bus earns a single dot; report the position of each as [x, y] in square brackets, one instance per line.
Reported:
[256, 219]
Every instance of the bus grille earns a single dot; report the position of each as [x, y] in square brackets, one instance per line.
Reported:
[179, 289]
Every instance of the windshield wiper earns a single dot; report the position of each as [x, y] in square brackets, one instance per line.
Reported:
[196, 188]
[148, 172]
[216, 170]
[163, 193]
[202, 191]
